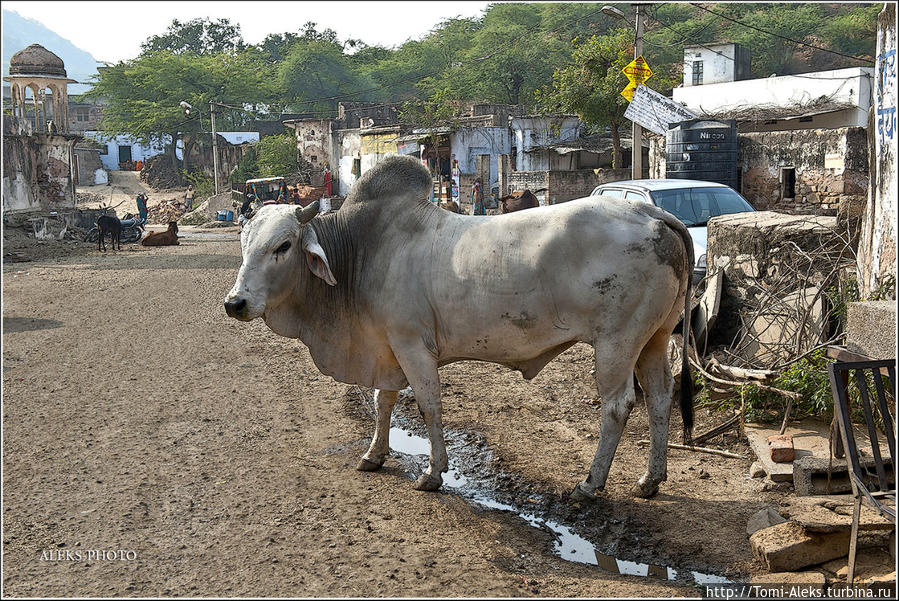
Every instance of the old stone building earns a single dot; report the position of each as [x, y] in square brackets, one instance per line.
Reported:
[38, 151]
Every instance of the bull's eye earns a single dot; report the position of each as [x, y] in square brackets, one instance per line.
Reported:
[283, 248]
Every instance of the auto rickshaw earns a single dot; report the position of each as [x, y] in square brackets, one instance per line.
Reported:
[268, 190]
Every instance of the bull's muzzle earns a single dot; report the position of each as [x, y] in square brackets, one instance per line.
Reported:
[236, 308]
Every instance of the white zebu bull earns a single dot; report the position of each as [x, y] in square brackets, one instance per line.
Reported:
[391, 287]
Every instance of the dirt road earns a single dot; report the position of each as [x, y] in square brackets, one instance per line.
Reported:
[122, 190]
[209, 457]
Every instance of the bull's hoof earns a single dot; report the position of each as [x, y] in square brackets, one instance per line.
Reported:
[428, 482]
[645, 490]
[366, 465]
[580, 494]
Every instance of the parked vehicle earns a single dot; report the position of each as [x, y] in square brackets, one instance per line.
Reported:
[268, 190]
[694, 202]
[132, 230]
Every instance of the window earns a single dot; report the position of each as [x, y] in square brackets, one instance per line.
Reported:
[615, 193]
[697, 73]
[695, 206]
[788, 182]
[805, 119]
[629, 195]
[82, 114]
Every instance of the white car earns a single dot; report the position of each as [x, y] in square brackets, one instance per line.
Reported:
[694, 202]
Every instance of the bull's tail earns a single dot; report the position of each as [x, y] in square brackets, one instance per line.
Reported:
[686, 378]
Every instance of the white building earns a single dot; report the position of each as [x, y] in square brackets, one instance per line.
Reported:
[715, 63]
[533, 131]
[820, 100]
[120, 149]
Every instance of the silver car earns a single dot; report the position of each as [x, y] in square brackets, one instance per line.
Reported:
[694, 202]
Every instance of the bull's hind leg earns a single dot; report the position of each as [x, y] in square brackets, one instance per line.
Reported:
[380, 444]
[658, 385]
[615, 384]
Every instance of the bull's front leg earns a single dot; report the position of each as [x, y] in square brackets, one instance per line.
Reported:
[380, 444]
[420, 366]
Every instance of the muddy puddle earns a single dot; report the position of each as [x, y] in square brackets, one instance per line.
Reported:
[472, 477]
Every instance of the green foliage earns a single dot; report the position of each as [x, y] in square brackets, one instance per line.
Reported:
[143, 94]
[277, 155]
[204, 186]
[317, 69]
[807, 377]
[197, 36]
[246, 169]
[591, 84]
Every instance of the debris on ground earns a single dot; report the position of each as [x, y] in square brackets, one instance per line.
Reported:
[165, 211]
[788, 547]
[763, 519]
[89, 197]
[159, 173]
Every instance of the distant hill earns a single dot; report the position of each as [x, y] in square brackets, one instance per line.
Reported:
[20, 32]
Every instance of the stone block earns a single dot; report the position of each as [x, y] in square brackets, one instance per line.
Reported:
[788, 546]
[763, 519]
[831, 513]
[757, 470]
[810, 475]
[871, 328]
[780, 448]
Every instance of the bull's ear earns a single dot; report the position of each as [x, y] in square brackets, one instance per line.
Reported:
[315, 257]
[305, 215]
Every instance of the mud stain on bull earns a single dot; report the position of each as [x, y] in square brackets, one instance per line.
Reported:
[668, 247]
[523, 320]
[605, 285]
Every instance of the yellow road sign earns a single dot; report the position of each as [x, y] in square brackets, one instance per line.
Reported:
[628, 92]
[637, 70]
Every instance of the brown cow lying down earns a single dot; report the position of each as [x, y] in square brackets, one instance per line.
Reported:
[518, 201]
[166, 238]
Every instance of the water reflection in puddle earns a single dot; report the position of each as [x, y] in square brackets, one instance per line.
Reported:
[568, 545]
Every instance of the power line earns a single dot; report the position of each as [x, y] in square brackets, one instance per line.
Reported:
[777, 35]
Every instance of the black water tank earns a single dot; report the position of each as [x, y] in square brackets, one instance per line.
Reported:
[702, 149]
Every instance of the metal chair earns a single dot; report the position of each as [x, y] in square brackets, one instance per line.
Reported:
[873, 488]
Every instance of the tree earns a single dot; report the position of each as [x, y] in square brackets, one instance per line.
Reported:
[591, 85]
[143, 95]
[277, 155]
[317, 69]
[197, 36]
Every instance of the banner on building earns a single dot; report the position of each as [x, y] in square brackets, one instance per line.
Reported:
[656, 112]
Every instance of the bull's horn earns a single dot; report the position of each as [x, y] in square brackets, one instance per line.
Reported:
[305, 215]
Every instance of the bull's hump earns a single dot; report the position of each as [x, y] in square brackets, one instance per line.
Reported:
[396, 179]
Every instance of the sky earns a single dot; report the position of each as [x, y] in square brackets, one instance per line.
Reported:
[113, 31]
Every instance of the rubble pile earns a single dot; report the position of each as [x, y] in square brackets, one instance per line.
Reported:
[165, 211]
[89, 197]
[158, 172]
[309, 194]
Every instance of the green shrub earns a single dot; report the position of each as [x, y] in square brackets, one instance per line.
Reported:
[277, 155]
[204, 186]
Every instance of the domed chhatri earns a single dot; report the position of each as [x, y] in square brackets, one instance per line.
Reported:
[36, 60]
[40, 72]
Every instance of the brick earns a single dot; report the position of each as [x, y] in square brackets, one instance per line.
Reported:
[780, 447]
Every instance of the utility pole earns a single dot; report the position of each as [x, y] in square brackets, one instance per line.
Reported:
[215, 147]
[637, 137]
